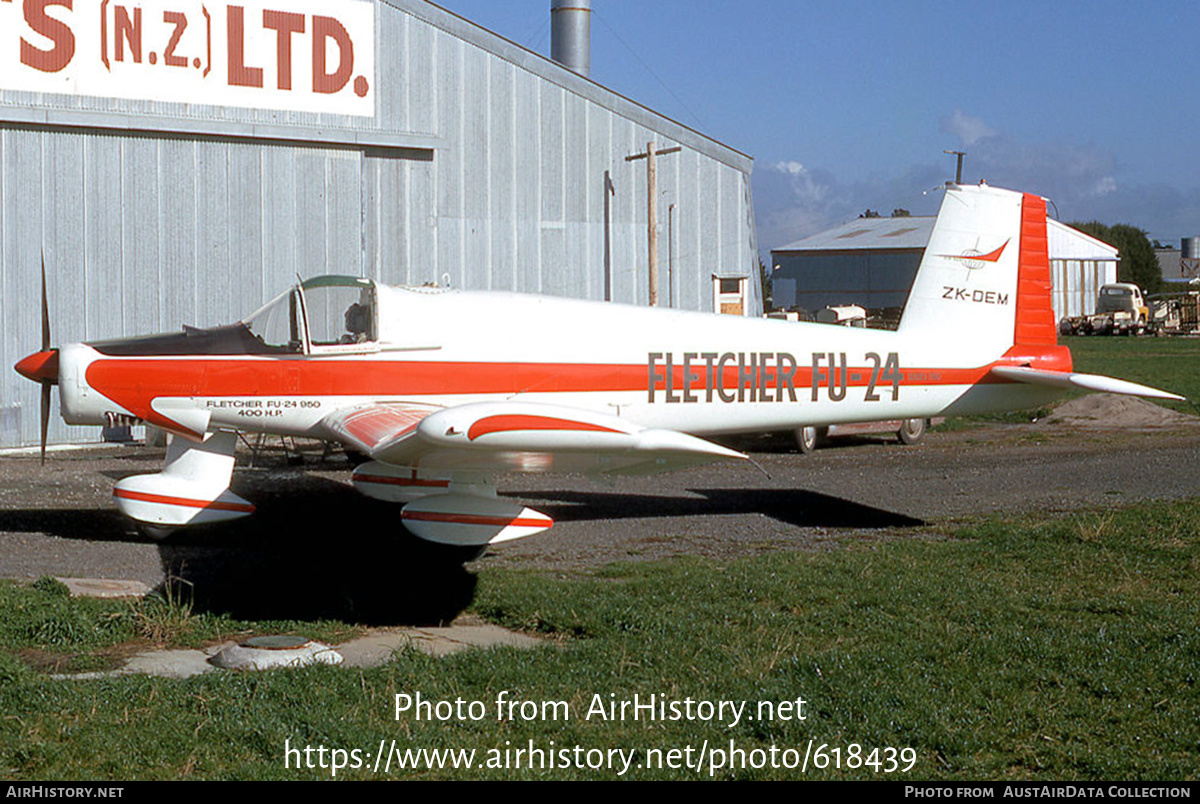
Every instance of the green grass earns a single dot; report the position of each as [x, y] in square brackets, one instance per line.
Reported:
[1172, 364]
[55, 631]
[1053, 648]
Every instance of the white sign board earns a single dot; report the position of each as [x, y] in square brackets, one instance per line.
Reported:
[301, 55]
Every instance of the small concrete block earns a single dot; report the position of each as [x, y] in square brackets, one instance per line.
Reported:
[252, 657]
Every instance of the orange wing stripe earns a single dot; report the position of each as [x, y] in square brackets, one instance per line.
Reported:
[184, 501]
[401, 481]
[478, 519]
[504, 424]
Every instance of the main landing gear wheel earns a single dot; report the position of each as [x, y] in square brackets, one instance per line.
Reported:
[912, 431]
[809, 438]
[156, 533]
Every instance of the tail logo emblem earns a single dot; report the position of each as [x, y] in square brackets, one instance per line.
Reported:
[975, 259]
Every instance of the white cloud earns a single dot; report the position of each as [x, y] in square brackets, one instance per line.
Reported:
[790, 204]
[1106, 185]
[967, 128]
[793, 199]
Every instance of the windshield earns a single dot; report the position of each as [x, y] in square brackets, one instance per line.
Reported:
[1115, 299]
[277, 323]
[341, 310]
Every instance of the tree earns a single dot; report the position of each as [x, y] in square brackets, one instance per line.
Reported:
[1138, 263]
[764, 274]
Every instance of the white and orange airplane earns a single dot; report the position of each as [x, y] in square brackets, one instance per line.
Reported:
[444, 389]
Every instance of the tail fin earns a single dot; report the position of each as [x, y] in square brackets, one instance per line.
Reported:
[984, 282]
[1035, 311]
[983, 290]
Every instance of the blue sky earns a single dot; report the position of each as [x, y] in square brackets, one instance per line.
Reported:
[846, 106]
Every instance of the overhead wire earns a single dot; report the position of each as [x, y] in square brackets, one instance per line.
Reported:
[695, 117]
[538, 37]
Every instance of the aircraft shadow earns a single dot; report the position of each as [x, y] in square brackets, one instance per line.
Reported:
[803, 509]
[316, 549]
[371, 580]
[71, 523]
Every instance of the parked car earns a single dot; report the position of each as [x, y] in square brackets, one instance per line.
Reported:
[909, 431]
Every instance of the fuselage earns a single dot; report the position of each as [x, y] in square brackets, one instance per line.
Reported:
[700, 373]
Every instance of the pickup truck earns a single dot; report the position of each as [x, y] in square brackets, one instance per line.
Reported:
[1121, 309]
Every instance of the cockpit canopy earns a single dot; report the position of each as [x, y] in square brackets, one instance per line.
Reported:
[325, 314]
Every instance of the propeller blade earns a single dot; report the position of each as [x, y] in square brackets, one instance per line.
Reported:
[45, 310]
[45, 345]
[45, 417]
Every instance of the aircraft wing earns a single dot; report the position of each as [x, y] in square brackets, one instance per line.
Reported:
[1088, 382]
[517, 436]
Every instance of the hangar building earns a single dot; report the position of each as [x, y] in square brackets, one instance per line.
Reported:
[872, 262]
[183, 166]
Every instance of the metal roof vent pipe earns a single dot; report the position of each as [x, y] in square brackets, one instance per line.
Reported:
[571, 34]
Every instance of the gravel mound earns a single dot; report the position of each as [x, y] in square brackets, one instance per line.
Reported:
[1116, 412]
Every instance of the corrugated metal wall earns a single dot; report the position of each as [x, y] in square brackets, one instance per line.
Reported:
[1077, 283]
[143, 234]
[485, 165]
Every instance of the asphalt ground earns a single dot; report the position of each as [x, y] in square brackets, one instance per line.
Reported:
[315, 548]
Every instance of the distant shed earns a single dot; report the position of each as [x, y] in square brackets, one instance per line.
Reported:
[1079, 265]
[870, 262]
[873, 261]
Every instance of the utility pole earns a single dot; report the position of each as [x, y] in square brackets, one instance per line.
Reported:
[609, 191]
[958, 172]
[652, 210]
[671, 255]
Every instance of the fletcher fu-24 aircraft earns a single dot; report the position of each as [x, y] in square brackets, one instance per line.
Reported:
[444, 389]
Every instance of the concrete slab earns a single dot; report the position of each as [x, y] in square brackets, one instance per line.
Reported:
[376, 647]
[451, 639]
[168, 664]
[373, 649]
[105, 587]
[164, 663]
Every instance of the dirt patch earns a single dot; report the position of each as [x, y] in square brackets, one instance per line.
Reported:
[54, 663]
[1115, 412]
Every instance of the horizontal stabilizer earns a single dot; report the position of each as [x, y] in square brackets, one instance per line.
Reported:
[1088, 382]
